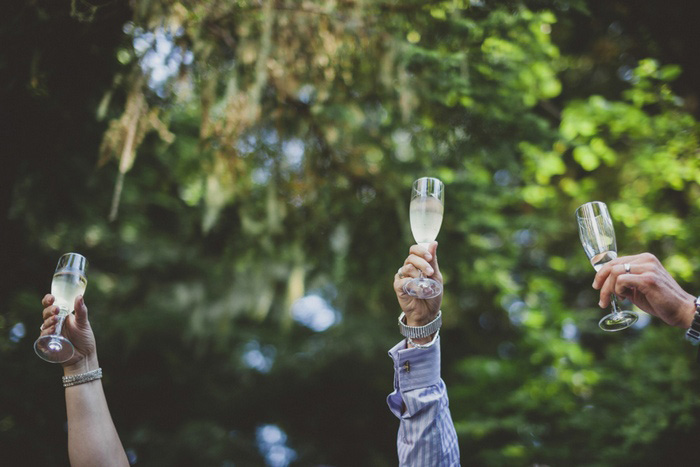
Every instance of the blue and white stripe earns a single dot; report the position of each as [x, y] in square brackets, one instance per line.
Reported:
[426, 434]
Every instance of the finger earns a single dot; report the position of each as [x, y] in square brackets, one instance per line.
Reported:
[49, 322]
[618, 271]
[48, 330]
[627, 283]
[408, 270]
[47, 300]
[49, 311]
[434, 262]
[399, 283]
[602, 275]
[81, 311]
[608, 286]
[417, 263]
[420, 250]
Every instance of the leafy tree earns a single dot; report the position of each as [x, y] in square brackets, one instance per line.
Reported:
[234, 168]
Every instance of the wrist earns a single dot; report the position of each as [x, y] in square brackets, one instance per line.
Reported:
[420, 332]
[693, 333]
[420, 319]
[420, 340]
[688, 313]
[84, 365]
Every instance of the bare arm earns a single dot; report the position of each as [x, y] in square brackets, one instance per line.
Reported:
[92, 437]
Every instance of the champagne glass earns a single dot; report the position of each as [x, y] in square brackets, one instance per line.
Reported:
[597, 235]
[69, 281]
[427, 205]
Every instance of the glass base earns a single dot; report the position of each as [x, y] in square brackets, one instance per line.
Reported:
[423, 288]
[54, 349]
[618, 321]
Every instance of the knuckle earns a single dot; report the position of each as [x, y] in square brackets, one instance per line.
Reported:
[648, 279]
[650, 257]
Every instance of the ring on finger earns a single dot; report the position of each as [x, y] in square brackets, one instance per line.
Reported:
[400, 273]
[628, 267]
[41, 328]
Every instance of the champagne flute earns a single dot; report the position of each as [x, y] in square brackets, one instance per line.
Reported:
[426, 209]
[69, 281]
[597, 235]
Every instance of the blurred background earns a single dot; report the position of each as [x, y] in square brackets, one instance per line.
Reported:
[238, 174]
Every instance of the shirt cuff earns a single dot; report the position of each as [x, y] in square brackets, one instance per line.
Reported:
[415, 368]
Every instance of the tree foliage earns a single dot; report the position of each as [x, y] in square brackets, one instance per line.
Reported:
[228, 166]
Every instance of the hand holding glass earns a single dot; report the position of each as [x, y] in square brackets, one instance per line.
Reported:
[69, 281]
[597, 235]
[427, 206]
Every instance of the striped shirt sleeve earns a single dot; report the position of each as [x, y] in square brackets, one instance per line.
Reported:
[426, 434]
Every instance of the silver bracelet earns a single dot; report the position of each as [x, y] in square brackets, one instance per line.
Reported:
[693, 334]
[424, 346]
[82, 378]
[420, 331]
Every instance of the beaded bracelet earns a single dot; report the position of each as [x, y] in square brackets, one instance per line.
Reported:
[82, 378]
[424, 346]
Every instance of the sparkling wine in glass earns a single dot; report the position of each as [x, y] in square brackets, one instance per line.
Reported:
[426, 209]
[597, 235]
[69, 281]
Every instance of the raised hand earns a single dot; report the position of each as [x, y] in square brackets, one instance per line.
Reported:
[76, 328]
[644, 281]
[420, 259]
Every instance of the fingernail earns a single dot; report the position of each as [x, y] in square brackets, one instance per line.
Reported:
[428, 256]
[600, 303]
[429, 270]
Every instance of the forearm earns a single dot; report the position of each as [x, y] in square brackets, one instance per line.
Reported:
[420, 401]
[92, 437]
[686, 312]
[426, 431]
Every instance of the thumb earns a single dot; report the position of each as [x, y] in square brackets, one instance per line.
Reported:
[432, 248]
[81, 311]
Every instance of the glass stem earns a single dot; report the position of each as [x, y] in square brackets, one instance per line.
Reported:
[62, 315]
[424, 245]
[615, 306]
